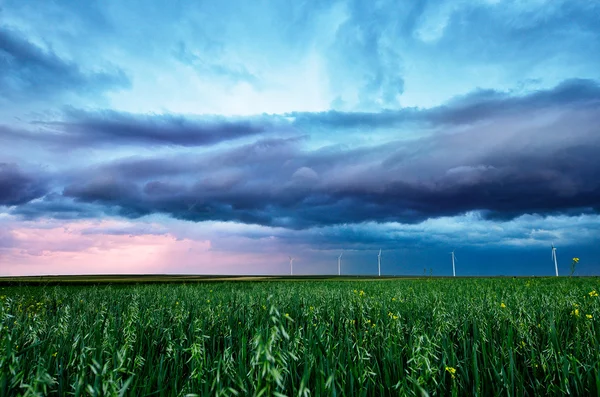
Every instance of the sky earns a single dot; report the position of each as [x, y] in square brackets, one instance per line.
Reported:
[188, 137]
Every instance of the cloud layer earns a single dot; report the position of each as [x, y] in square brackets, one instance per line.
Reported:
[18, 187]
[492, 152]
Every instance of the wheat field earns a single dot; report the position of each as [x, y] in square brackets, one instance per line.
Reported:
[438, 337]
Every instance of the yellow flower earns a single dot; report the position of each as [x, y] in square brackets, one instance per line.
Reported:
[177, 303]
[589, 316]
[311, 308]
[355, 291]
[361, 293]
[395, 317]
[54, 354]
[575, 313]
[451, 370]
[593, 293]
[576, 260]
[502, 305]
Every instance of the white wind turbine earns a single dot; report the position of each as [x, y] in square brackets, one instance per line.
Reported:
[453, 259]
[379, 263]
[554, 259]
[340, 264]
[291, 266]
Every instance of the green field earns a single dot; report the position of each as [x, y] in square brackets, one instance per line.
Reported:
[497, 336]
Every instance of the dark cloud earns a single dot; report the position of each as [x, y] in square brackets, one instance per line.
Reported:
[57, 206]
[471, 108]
[531, 154]
[27, 72]
[117, 128]
[17, 186]
[111, 128]
[546, 168]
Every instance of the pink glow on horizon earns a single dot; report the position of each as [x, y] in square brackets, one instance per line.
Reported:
[80, 247]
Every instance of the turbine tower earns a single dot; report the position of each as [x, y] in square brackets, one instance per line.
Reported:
[453, 268]
[340, 264]
[554, 259]
[291, 266]
[379, 263]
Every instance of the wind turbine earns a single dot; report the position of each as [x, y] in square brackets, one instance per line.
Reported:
[453, 259]
[291, 266]
[379, 263]
[340, 264]
[554, 258]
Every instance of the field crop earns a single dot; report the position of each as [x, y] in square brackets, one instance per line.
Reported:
[350, 338]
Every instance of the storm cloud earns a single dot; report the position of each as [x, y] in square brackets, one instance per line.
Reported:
[480, 105]
[112, 128]
[542, 166]
[18, 187]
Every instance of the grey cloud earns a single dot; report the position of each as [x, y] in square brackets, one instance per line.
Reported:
[505, 167]
[81, 128]
[57, 206]
[471, 108]
[18, 187]
[432, 177]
